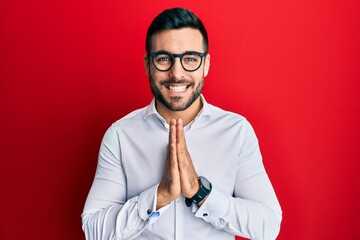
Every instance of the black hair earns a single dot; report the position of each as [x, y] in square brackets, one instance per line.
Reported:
[175, 18]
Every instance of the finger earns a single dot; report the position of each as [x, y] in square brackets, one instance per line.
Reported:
[188, 175]
[172, 132]
[174, 171]
[180, 135]
[171, 174]
[173, 159]
[169, 188]
[172, 144]
[185, 164]
[181, 156]
[180, 122]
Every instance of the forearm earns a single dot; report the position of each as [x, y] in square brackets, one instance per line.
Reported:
[119, 221]
[100, 224]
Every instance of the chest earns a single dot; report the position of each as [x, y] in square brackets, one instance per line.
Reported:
[214, 155]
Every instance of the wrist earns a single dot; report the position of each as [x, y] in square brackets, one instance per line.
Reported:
[203, 192]
[202, 201]
[162, 199]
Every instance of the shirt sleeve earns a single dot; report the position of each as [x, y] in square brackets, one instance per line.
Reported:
[107, 213]
[253, 211]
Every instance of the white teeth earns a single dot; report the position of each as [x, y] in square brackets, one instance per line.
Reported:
[177, 88]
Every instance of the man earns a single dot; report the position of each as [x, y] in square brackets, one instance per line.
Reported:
[180, 168]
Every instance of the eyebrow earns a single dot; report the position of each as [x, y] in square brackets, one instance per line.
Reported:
[186, 52]
[191, 52]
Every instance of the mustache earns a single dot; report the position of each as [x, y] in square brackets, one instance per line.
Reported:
[175, 81]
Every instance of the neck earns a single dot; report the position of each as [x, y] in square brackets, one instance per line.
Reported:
[186, 115]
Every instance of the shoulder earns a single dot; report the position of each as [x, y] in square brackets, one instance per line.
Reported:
[131, 120]
[229, 120]
[136, 115]
[218, 113]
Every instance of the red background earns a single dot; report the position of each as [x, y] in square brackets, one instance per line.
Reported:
[70, 68]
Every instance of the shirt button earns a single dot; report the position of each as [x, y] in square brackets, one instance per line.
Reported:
[205, 215]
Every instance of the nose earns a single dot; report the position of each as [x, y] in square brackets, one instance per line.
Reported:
[177, 71]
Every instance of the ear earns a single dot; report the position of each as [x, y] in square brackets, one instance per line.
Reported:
[147, 64]
[206, 64]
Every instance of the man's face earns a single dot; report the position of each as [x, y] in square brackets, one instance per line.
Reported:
[177, 88]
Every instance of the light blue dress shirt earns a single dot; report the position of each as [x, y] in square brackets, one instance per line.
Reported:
[224, 149]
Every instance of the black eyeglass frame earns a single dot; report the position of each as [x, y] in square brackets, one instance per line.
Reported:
[173, 56]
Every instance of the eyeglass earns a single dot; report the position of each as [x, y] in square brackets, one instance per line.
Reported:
[163, 60]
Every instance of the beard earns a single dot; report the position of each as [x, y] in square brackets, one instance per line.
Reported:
[175, 103]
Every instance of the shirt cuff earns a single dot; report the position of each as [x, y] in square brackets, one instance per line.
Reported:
[147, 205]
[214, 207]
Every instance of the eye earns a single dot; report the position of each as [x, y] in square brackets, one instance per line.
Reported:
[191, 58]
[163, 59]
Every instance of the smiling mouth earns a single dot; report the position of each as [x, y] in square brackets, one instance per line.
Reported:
[177, 88]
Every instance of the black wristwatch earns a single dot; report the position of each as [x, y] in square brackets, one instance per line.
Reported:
[205, 189]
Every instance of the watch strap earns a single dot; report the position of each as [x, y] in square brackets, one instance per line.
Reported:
[201, 194]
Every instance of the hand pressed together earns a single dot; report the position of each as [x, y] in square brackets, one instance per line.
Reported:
[179, 176]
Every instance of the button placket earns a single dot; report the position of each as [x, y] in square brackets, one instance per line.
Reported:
[179, 219]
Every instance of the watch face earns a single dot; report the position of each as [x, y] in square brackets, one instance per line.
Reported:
[205, 183]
